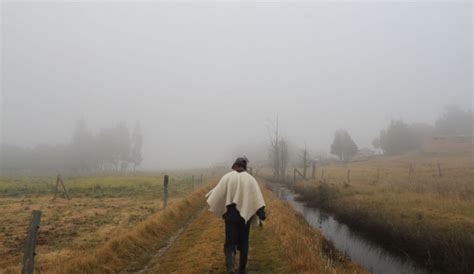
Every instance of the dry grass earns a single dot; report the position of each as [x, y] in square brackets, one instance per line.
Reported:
[457, 171]
[303, 247]
[431, 218]
[124, 234]
[132, 250]
[81, 224]
[286, 244]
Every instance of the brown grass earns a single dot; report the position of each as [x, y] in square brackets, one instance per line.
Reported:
[79, 224]
[286, 244]
[428, 217]
[132, 250]
[302, 246]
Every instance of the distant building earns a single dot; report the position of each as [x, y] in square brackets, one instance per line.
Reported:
[448, 144]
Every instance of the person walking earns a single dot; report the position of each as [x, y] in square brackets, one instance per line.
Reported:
[238, 199]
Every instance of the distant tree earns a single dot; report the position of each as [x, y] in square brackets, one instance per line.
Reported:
[114, 146]
[279, 156]
[81, 148]
[106, 149]
[110, 149]
[397, 139]
[376, 143]
[136, 150]
[455, 121]
[123, 145]
[343, 146]
[422, 131]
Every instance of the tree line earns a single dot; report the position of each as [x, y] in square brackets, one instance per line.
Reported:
[400, 137]
[114, 148]
[397, 138]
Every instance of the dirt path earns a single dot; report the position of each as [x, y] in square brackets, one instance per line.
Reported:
[198, 249]
[157, 256]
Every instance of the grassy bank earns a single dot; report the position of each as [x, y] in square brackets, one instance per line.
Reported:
[408, 207]
[303, 247]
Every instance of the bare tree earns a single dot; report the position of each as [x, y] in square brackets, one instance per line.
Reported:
[278, 151]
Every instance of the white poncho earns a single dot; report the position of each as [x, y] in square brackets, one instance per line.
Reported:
[239, 188]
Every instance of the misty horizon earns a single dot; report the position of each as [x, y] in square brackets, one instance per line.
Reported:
[203, 79]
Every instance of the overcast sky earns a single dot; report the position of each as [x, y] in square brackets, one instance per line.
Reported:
[204, 77]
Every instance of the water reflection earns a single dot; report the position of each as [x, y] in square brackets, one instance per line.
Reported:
[373, 257]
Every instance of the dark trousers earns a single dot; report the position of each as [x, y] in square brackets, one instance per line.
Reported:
[237, 238]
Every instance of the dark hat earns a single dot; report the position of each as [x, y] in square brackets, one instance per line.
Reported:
[241, 162]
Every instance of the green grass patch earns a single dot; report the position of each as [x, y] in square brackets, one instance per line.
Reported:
[96, 186]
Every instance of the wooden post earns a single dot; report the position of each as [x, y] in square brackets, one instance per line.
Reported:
[64, 187]
[30, 245]
[192, 182]
[313, 172]
[296, 171]
[56, 188]
[439, 170]
[349, 176]
[294, 175]
[165, 191]
[305, 162]
[322, 174]
[59, 181]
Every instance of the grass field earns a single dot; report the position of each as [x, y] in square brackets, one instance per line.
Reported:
[112, 233]
[96, 186]
[101, 208]
[418, 213]
[286, 244]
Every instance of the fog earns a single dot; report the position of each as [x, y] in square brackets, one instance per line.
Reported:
[205, 79]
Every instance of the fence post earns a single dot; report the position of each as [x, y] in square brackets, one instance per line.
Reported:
[59, 181]
[410, 171]
[349, 176]
[313, 172]
[30, 246]
[64, 187]
[192, 182]
[165, 191]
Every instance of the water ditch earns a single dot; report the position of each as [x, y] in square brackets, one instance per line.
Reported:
[361, 250]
